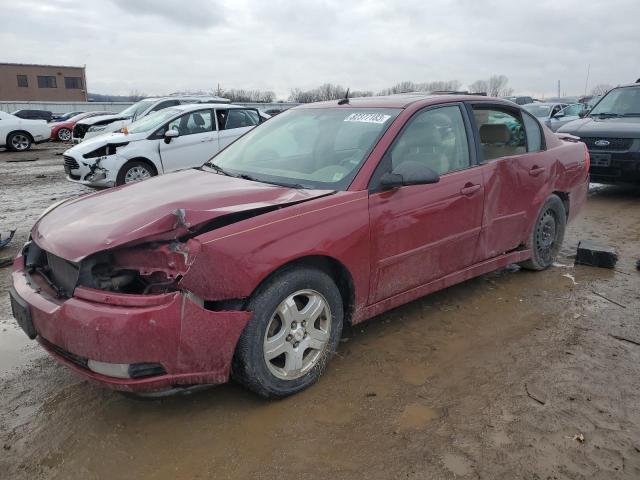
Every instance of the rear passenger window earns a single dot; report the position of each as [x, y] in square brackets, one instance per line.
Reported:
[436, 138]
[534, 134]
[501, 133]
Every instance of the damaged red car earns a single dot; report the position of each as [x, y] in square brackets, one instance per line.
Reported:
[327, 214]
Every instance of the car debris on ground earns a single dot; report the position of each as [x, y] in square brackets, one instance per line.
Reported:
[594, 255]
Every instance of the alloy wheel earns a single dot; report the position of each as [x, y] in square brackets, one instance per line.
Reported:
[137, 173]
[20, 142]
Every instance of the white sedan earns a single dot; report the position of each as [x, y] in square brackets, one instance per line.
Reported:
[175, 138]
[18, 134]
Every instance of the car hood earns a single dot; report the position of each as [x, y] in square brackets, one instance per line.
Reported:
[624, 127]
[90, 144]
[101, 118]
[162, 208]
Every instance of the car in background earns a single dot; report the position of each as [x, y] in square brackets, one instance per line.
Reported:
[19, 134]
[519, 100]
[611, 131]
[113, 122]
[61, 130]
[326, 215]
[544, 111]
[567, 114]
[65, 116]
[174, 138]
[34, 115]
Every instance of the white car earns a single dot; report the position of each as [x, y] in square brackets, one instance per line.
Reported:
[18, 134]
[172, 139]
[92, 127]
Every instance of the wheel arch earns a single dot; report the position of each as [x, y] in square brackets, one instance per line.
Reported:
[18, 131]
[145, 160]
[332, 267]
[564, 196]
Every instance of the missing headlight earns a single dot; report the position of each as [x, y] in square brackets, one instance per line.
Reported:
[105, 150]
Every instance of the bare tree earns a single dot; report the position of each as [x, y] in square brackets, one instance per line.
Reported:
[407, 86]
[136, 95]
[497, 86]
[601, 89]
[479, 86]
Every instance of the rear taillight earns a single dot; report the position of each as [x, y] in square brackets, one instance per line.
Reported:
[587, 158]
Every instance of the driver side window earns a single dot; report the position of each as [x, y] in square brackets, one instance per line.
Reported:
[192, 123]
[436, 138]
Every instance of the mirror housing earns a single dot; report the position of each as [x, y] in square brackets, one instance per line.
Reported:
[169, 134]
[584, 113]
[409, 173]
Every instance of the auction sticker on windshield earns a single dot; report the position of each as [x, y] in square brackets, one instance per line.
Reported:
[367, 117]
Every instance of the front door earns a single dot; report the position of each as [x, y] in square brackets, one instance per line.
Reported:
[197, 142]
[420, 233]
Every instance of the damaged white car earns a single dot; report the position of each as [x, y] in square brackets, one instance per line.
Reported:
[175, 138]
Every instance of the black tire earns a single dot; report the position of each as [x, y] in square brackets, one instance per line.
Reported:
[64, 135]
[19, 141]
[249, 364]
[547, 234]
[131, 165]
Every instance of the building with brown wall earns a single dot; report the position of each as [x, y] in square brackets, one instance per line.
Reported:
[42, 82]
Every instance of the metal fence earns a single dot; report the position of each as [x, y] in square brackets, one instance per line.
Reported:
[58, 108]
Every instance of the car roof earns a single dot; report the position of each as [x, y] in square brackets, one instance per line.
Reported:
[213, 98]
[195, 106]
[547, 104]
[404, 100]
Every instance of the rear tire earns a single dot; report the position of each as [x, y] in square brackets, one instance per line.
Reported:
[547, 234]
[294, 331]
[19, 142]
[135, 171]
[64, 135]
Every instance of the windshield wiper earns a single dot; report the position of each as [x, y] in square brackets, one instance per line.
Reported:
[219, 169]
[287, 185]
[631, 115]
[605, 114]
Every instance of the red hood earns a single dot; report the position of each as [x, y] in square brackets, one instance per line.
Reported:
[163, 207]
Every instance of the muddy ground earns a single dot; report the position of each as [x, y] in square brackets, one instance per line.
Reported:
[512, 375]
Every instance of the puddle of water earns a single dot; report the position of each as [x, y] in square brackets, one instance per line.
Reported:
[415, 373]
[456, 464]
[415, 416]
[15, 350]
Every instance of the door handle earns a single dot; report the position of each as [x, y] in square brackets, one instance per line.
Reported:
[469, 189]
[536, 170]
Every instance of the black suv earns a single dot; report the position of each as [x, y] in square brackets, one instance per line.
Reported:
[611, 131]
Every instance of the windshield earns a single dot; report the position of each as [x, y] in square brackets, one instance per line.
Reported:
[311, 148]
[152, 121]
[619, 101]
[537, 110]
[137, 108]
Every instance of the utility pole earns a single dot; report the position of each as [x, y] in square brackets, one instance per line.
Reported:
[558, 88]
[586, 83]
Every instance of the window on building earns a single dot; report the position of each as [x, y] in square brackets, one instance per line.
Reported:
[72, 82]
[22, 81]
[47, 82]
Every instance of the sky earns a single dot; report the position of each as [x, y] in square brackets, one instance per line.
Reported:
[156, 47]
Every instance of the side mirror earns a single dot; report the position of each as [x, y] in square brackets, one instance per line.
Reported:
[558, 115]
[409, 173]
[584, 113]
[169, 134]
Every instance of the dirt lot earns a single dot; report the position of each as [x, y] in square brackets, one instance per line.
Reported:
[511, 375]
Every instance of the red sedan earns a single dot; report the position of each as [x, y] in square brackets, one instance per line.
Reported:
[61, 131]
[326, 214]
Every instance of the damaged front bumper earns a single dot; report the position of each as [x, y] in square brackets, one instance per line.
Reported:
[94, 172]
[132, 342]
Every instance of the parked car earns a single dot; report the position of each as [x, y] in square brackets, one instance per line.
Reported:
[65, 116]
[520, 100]
[611, 131]
[327, 214]
[18, 134]
[567, 114]
[61, 130]
[113, 122]
[172, 139]
[544, 111]
[34, 114]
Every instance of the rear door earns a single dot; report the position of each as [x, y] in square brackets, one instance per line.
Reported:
[420, 233]
[234, 122]
[196, 144]
[515, 169]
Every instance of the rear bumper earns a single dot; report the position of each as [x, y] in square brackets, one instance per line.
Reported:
[194, 345]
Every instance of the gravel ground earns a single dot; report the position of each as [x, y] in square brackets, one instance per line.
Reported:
[511, 375]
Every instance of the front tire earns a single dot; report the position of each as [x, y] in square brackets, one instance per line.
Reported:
[19, 142]
[294, 331]
[547, 234]
[64, 135]
[134, 171]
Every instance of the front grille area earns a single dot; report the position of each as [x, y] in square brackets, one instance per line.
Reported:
[63, 274]
[614, 143]
[70, 162]
[80, 130]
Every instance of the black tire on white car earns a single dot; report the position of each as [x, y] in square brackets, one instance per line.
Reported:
[19, 141]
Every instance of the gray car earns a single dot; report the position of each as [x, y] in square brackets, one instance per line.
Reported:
[546, 112]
